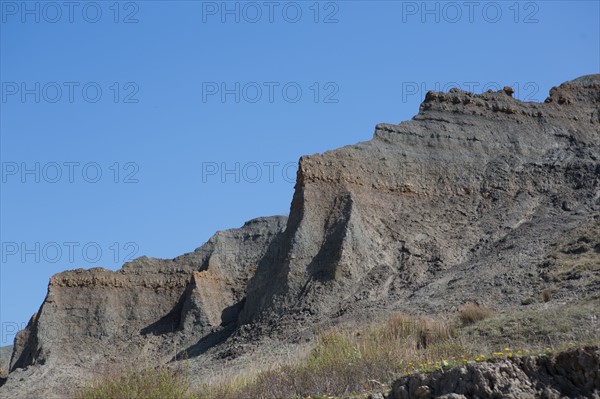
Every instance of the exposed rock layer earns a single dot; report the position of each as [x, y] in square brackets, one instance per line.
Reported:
[570, 374]
[145, 310]
[465, 201]
[435, 194]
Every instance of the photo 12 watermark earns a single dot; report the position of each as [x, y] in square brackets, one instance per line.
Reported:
[66, 331]
[270, 92]
[249, 172]
[69, 12]
[452, 12]
[69, 92]
[253, 12]
[69, 172]
[524, 91]
[9, 331]
[68, 252]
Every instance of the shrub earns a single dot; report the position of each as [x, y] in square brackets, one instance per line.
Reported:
[345, 361]
[472, 313]
[528, 301]
[547, 294]
[148, 383]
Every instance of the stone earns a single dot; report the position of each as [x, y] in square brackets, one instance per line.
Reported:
[461, 203]
[573, 373]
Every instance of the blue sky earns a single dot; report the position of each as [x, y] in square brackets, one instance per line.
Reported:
[141, 128]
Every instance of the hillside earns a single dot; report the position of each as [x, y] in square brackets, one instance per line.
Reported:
[478, 198]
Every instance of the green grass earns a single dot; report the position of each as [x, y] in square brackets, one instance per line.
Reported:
[345, 362]
[147, 383]
[555, 327]
[577, 254]
[348, 362]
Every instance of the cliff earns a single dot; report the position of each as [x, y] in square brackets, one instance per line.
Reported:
[465, 201]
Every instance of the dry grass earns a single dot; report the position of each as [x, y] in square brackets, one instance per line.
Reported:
[345, 361]
[147, 383]
[547, 294]
[577, 255]
[472, 313]
[537, 329]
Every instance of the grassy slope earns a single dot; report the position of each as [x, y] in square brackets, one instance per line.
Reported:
[349, 361]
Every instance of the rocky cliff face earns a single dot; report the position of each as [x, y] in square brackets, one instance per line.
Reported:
[464, 201]
[444, 191]
[5, 353]
[146, 310]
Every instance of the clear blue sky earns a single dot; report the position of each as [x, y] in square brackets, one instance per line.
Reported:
[168, 128]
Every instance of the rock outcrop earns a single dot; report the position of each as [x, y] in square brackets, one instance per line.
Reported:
[483, 182]
[5, 353]
[147, 309]
[571, 374]
[465, 201]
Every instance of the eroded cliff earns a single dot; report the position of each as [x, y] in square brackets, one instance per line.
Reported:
[465, 201]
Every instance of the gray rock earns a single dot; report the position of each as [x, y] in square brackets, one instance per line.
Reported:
[471, 190]
[463, 202]
[151, 308]
[571, 374]
[5, 353]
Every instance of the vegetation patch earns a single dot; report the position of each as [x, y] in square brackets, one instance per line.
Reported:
[147, 383]
[538, 328]
[472, 313]
[345, 362]
[577, 256]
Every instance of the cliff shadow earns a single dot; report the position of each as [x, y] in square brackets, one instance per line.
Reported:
[168, 323]
[205, 343]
